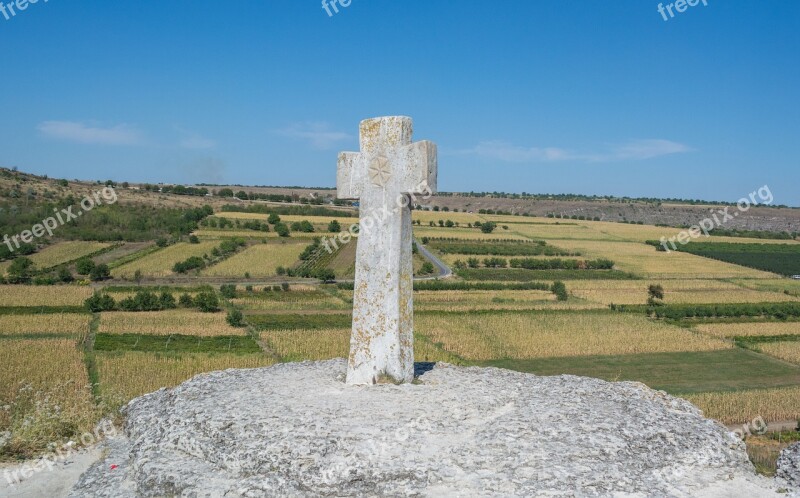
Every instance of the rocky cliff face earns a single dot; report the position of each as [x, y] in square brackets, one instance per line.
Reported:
[789, 465]
[298, 430]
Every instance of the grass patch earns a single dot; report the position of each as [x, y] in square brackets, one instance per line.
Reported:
[522, 275]
[175, 344]
[315, 321]
[676, 373]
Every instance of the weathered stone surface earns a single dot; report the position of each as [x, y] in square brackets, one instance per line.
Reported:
[388, 169]
[789, 466]
[300, 430]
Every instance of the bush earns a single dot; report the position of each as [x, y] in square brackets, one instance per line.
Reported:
[273, 219]
[193, 239]
[186, 301]
[65, 276]
[100, 302]
[488, 227]
[325, 274]
[427, 268]
[207, 302]
[100, 272]
[560, 290]
[334, 227]
[282, 230]
[20, 271]
[84, 266]
[228, 291]
[235, 318]
[193, 263]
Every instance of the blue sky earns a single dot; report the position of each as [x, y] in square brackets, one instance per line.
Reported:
[540, 96]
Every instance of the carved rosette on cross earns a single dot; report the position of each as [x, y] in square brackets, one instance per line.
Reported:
[388, 171]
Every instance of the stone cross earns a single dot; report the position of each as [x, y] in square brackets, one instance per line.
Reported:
[385, 176]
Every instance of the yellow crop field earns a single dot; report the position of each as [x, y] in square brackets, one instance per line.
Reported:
[784, 285]
[755, 329]
[784, 350]
[72, 324]
[44, 385]
[465, 233]
[675, 292]
[182, 322]
[260, 260]
[65, 251]
[486, 300]
[30, 295]
[645, 260]
[566, 230]
[215, 234]
[298, 345]
[290, 301]
[741, 407]
[160, 263]
[463, 218]
[129, 375]
[557, 334]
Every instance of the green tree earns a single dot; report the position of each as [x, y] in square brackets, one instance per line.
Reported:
[334, 227]
[64, 275]
[427, 268]
[20, 271]
[273, 219]
[488, 227]
[560, 290]
[84, 266]
[207, 302]
[282, 230]
[100, 272]
[235, 318]
[228, 291]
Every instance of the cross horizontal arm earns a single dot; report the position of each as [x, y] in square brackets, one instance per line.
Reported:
[349, 176]
[421, 174]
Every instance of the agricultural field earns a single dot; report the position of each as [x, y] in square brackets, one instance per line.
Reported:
[783, 350]
[168, 322]
[160, 263]
[32, 296]
[128, 375]
[42, 399]
[732, 367]
[260, 261]
[675, 292]
[644, 260]
[64, 252]
[751, 329]
[481, 336]
[72, 325]
[783, 259]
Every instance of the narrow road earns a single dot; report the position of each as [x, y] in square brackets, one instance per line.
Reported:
[444, 270]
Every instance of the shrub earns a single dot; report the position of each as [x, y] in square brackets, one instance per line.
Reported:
[193, 263]
[186, 301]
[64, 275]
[228, 291]
[427, 268]
[207, 302]
[282, 230]
[273, 219]
[84, 266]
[20, 271]
[100, 302]
[334, 227]
[100, 272]
[235, 318]
[193, 239]
[560, 290]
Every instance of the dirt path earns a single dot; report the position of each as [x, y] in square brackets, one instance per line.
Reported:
[43, 481]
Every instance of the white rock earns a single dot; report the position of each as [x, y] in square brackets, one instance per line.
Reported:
[298, 430]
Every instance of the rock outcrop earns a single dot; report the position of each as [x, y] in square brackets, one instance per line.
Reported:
[298, 430]
[789, 465]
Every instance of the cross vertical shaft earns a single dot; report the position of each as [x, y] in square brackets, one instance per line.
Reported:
[384, 177]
